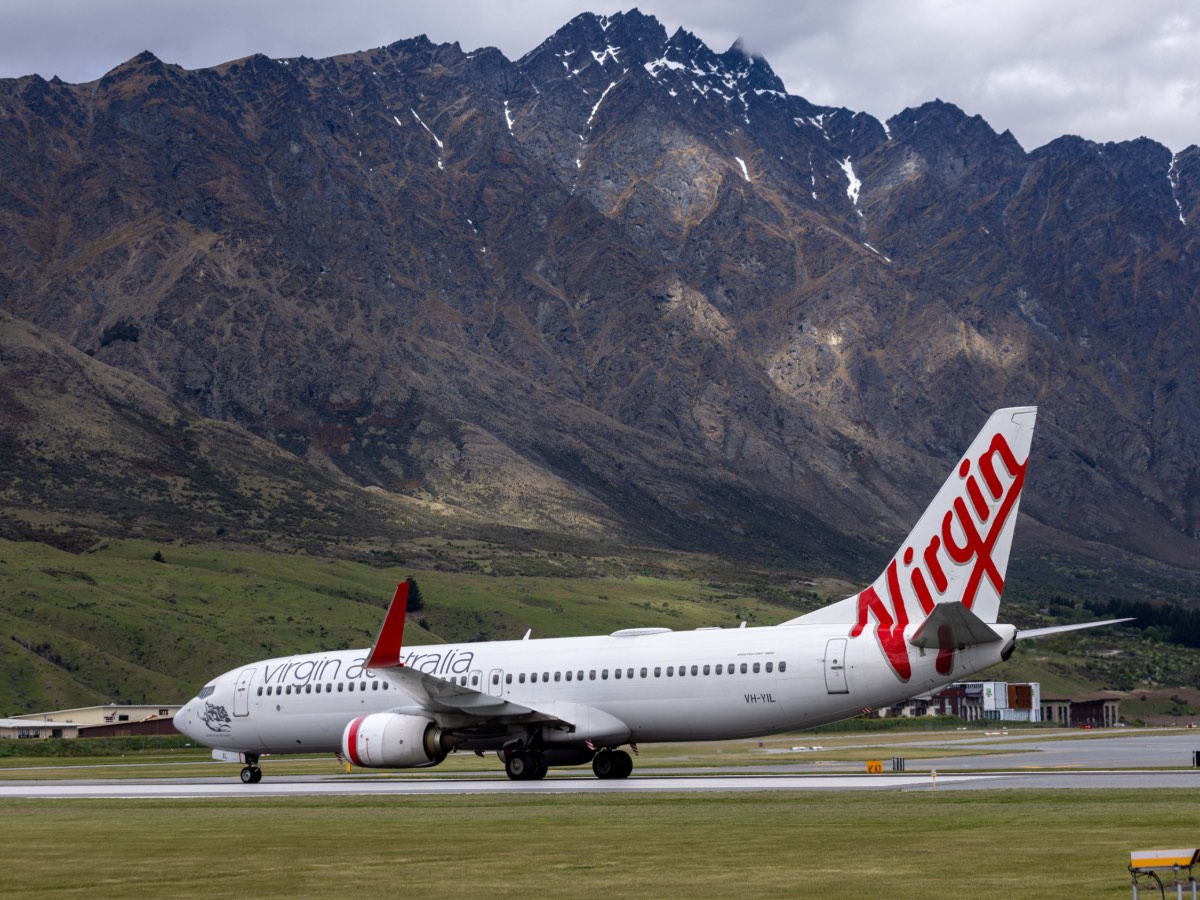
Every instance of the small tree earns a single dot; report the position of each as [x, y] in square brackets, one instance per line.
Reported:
[415, 601]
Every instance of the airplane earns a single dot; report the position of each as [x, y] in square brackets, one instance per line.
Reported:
[929, 619]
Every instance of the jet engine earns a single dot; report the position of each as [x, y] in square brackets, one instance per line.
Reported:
[394, 741]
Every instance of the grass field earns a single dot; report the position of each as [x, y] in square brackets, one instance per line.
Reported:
[917, 844]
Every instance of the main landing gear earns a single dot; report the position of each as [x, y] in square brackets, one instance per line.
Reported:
[252, 774]
[612, 764]
[526, 765]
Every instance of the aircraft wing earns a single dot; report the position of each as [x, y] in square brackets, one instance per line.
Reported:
[433, 694]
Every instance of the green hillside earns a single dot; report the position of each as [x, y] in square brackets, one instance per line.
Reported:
[115, 624]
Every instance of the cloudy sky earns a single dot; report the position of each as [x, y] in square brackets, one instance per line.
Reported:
[1107, 70]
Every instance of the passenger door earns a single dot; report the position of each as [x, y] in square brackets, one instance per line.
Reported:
[835, 667]
[241, 693]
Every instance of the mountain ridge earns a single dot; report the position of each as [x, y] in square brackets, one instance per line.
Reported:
[709, 313]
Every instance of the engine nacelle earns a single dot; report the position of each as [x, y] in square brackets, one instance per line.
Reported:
[394, 741]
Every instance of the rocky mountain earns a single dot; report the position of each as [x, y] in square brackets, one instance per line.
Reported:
[623, 286]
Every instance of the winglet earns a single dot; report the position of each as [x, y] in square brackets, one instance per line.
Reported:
[385, 654]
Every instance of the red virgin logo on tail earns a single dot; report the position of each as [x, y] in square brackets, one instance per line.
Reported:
[968, 535]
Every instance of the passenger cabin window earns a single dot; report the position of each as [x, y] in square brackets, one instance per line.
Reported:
[604, 675]
[521, 678]
[782, 666]
[260, 692]
[756, 668]
[508, 678]
[592, 675]
[670, 671]
[643, 671]
[557, 676]
[658, 671]
[718, 668]
[770, 667]
[568, 676]
[706, 670]
[695, 670]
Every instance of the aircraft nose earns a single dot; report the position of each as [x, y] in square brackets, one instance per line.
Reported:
[182, 718]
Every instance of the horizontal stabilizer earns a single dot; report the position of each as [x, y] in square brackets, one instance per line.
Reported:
[952, 626]
[1059, 629]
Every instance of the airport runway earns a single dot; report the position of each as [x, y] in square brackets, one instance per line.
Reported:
[1123, 761]
[174, 788]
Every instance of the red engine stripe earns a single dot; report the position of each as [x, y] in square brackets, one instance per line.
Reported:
[352, 742]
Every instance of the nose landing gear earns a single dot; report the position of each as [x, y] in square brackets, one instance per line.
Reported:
[252, 774]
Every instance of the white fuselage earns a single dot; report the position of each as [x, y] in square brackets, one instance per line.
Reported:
[735, 683]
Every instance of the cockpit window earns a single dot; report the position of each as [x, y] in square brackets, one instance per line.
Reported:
[207, 691]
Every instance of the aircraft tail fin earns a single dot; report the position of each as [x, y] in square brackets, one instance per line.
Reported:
[958, 551]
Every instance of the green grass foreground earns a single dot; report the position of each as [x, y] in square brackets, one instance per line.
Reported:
[916, 844]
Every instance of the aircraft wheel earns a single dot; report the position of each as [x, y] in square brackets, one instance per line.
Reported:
[519, 766]
[622, 764]
[251, 775]
[602, 764]
[540, 766]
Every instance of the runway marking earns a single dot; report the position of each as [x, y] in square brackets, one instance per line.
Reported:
[290, 788]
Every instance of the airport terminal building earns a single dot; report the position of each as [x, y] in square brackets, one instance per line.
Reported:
[92, 721]
[1002, 701]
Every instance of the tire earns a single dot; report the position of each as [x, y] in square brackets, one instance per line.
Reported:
[519, 767]
[257, 776]
[602, 764]
[540, 766]
[622, 764]
[248, 775]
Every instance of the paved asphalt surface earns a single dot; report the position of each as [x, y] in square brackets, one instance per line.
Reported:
[1110, 761]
